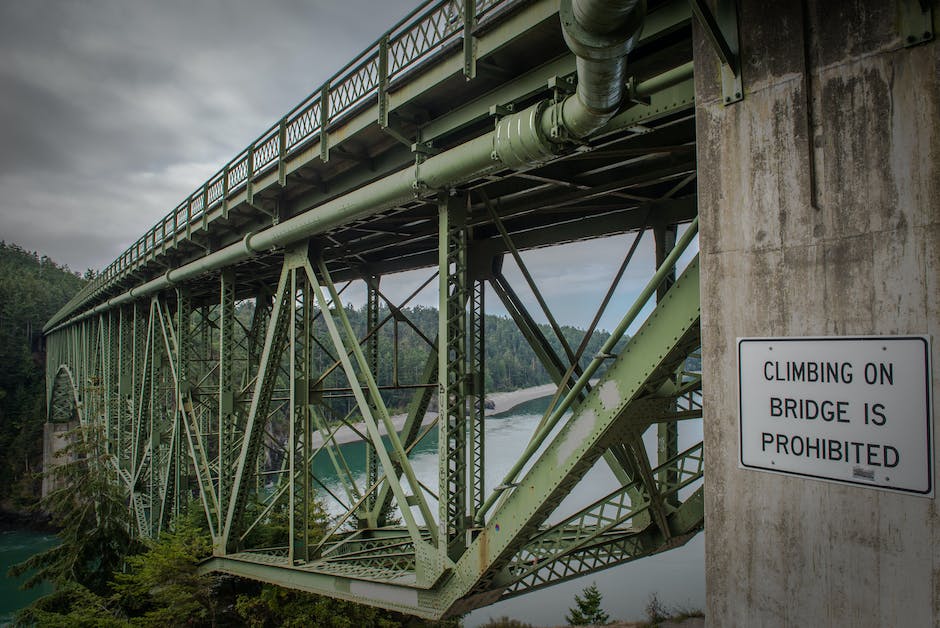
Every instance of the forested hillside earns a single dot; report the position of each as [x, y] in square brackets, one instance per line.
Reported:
[510, 363]
[32, 289]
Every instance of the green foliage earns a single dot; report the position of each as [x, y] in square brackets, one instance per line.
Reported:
[587, 610]
[90, 508]
[506, 622]
[275, 530]
[161, 586]
[70, 606]
[657, 612]
[275, 606]
[32, 289]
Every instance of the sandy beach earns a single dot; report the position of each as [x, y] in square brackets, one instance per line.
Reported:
[501, 402]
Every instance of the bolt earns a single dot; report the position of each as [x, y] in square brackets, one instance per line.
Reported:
[737, 94]
[911, 39]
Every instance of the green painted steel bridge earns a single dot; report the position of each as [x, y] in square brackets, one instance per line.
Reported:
[469, 133]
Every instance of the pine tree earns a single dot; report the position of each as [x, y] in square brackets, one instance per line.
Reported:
[588, 611]
[91, 510]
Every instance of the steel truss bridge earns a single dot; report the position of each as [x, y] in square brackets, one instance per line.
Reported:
[469, 133]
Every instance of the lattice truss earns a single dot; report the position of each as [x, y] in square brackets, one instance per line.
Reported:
[234, 397]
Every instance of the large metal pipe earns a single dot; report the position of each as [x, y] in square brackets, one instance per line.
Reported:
[462, 163]
[600, 33]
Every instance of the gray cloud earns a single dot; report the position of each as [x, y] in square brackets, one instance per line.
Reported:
[111, 112]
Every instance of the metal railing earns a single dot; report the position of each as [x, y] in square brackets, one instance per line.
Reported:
[420, 38]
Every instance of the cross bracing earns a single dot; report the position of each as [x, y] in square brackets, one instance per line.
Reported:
[218, 356]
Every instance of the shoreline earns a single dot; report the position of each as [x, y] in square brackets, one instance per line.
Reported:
[501, 402]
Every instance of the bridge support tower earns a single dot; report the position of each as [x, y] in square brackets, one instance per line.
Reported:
[818, 201]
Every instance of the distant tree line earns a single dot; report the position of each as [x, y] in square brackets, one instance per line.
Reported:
[32, 289]
[510, 363]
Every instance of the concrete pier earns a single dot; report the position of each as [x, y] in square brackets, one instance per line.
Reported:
[54, 440]
[820, 210]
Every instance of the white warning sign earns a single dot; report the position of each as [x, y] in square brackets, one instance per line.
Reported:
[854, 410]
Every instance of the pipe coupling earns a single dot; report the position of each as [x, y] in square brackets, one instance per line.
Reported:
[601, 46]
[519, 140]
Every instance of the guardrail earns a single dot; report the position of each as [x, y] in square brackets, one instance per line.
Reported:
[419, 38]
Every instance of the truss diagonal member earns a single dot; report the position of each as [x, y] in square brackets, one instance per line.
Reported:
[261, 399]
[417, 408]
[405, 501]
[653, 353]
[507, 239]
[551, 361]
[336, 457]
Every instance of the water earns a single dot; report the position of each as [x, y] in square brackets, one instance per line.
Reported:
[16, 546]
[677, 577]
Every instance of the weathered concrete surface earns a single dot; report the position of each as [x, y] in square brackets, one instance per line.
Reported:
[54, 440]
[860, 254]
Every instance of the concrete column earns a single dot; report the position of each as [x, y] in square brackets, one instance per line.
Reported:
[54, 440]
[819, 196]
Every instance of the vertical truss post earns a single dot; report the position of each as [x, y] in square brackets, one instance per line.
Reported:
[382, 91]
[123, 387]
[299, 426]
[226, 383]
[136, 401]
[452, 373]
[107, 383]
[478, 407]
[293, 416]
[667, 432]
[372, 354]
[469, 41]
[305, 447]
[184, 309]
[324, 122]
[147, 456]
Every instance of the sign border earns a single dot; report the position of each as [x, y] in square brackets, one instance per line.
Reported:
[925, 339]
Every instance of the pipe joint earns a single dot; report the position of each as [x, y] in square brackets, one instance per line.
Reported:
[520, 141]
[591, 44]
[246, 244]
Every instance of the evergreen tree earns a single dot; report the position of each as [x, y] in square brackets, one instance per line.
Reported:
[588, 608]
[32, 289]
[161, 585]
[89, 506]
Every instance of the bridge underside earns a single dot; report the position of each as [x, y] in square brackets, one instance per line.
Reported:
[221, 362]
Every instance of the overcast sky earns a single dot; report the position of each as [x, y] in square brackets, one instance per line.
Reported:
[113, 111]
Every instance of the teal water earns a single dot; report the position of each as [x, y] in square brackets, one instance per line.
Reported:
[16, 546]
[677, 577]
